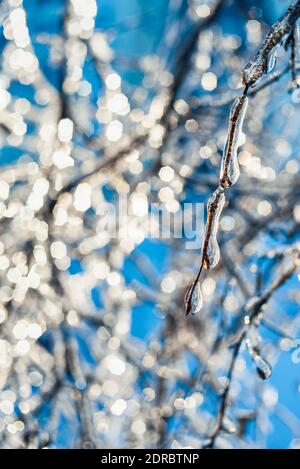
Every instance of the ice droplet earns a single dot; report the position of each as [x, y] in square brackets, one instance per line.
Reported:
[263, 368]
[211, 250]
[228, 425]
[193, 298]
[230, 170]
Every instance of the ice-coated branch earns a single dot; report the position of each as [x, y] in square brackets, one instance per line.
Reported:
[263, 62]
[253, 311]
[265, 59]
[94, 348]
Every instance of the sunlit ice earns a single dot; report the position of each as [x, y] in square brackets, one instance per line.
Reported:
[149, 224]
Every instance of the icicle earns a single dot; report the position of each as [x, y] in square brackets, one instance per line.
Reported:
[211, 250]
[193, 298]
[263, 368]
[272, 58]
[230, 166]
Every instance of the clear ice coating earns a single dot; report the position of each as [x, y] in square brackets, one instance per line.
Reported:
[263, 368]
[253, 70]
[193, 298]
[296, 33]
[211, 250]
[264, 61]
[294, 59]
[271, 60]
[230, 170]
